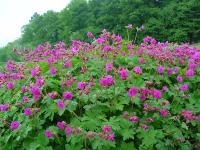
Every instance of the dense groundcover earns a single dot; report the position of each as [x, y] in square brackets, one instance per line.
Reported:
[106, 94]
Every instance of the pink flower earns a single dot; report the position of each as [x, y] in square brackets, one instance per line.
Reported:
[35, 90]
[146, 107]
[176, 69]
[109, 67]
[160, 69]
[184, 87]
[100, 40]
[156, 93]
[24, 89]
[190, 73]
[149, 120]
[89, 34]
[144, 126]
[165, 88]
[48, 134]
[137, 70]
[67, 95]
[123, 74]
[61, 125]
[142, 97]
[60, 104]
[67, 64]
[14, 125]
[133, 119]
[106, 81]
[106, 128]
[111, 137]
[169, 71]
[132, 91]
[33, 72]
[187, 114]
[179, 79]
[81, 85]
[69, 82]
[39, 82]
[10, 85]
[164, 112]
[52, 95]
[129, 46]
[141, 60]
[25, 99]
[67, 131]
[27, 111]
[4, 108]
[52, 71]
[130, 26]
[107, 48]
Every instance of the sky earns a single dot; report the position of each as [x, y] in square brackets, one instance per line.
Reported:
[16, 13]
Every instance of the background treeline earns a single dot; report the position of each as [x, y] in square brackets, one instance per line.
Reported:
[172, 20]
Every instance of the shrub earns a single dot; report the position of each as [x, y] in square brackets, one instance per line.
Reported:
[104, 95]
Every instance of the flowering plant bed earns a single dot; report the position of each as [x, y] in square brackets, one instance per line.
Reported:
[107, 94]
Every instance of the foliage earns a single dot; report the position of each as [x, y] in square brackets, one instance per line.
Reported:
[106, 94]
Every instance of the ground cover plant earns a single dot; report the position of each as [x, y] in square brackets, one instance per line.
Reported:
[105, 94]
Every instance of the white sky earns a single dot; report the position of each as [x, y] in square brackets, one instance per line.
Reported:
[16, 13]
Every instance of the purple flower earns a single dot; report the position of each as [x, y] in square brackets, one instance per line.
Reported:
[129, 46]
[179, 79]
[61, 125]
[169, 71]
[69, 82]
[164, 112]
[81, 85]
[14, 125]
[100, 40]
[132, 91]
[10, 85]
[67, 131]
[137, 70]
[111, 137]
[52, 71]
[165, 88]
[149, 120]
[109, 67]
[107, 48]
[187, 114]
[106, 128]
[24, 89]
[60, 104]
[67, 64]
[123, 74]
[190, 73]
[129, 26]
[25, 99]
[39, 82]
[89, 34]
[156, 93]
[176, 69]
[48, 134]
[27, 111]
[146, 107]
[144, 126]
[160, 69]
[4, 108]
[106, 81]
[33, 72]
[133, 119]
[67, 95]
[184, 87]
